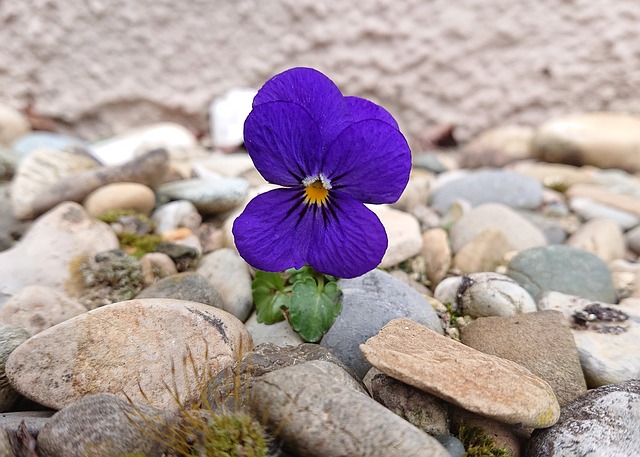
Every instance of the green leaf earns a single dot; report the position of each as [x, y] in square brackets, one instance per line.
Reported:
[313, 309]
[270, 296]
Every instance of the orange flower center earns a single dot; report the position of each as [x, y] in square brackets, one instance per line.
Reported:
[316, 193]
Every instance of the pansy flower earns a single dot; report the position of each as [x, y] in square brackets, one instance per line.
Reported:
[332, 154]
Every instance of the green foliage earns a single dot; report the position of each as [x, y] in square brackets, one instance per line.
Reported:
[308, 299]
[478, 444]
[138, 245]
[113, 215]
[233, 435]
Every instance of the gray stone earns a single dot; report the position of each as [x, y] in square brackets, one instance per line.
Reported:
[492, 294]
[603, 422]
[452, 445]
[489, 186]
[105, 425]
[281, 333]
[588, 208]
[180, 213]
[6, 449]
[368, 303]
[318, 416]
[11, 228]
[187, 286]
[10, 338]
[633, 239]
[562, 269]
[8, 164]
[209, 196]
[33, 421]
[28, 143]
[552, 226]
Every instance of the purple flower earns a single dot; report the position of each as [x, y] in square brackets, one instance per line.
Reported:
[332, 154]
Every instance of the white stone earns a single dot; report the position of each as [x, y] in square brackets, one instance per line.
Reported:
[227, 114]
[403, 232]
[280, 333]
[492, 294]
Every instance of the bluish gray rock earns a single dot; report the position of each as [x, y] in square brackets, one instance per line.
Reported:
[210, 195]
[368, 303]
[50, 140]
[563, 269]
[188, 286]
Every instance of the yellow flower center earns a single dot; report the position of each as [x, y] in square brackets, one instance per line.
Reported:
[316, 193]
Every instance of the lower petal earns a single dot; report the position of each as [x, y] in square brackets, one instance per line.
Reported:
[349, 241]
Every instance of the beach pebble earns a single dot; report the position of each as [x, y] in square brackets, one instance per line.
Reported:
[189, 286]
[10, 338]
[632, 238]
[208, 195]
[280, 333]
[176, 214]
[155, 266]
[601, 237]
[13, 125]
[498, 146]
[403, 232]
[492, 294]
[483, 253]
[436, 253]
[120, 196]
[32, 141]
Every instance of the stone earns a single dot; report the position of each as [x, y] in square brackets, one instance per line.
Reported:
[607, 336]
[229, 274]
[184, 257]
[27, 144]
[368, 303]
[498, 146]
[447, 291]
[33, 421]
[231, 165]
[403, 232]
[487, 385]
[227, 114]
[540, 341]
[417, 191]
[119, 349]
[280, 333]
[554, 224]
[8, 163]
[156, 265]
[604, 140]
[318, 416]
[436, 253]
[13, 124]
[36, 308]
[520, 233]
[588, 209]
[6, 448]
[601, 237]
[485, 252]
[179, 213]
[10, 338]
[487, 186]
[120, 196]
[11, 229]
[106, 425]
[632, 238]
[558, 176]
[57, 238]
[148, 169]
[209, 196]
[604, 421]
[603, 195]
[562, 269]
[122, 148]
[452, 445]
[492, 294]
[188, 286]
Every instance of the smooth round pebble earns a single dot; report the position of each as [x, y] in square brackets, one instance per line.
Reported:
[189, 286]
[176, 214]
[492, 294]
[209, 196]
[120, 196]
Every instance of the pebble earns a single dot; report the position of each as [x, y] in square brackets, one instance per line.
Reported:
[498, 146]
[229, 274]
[11, 228]
[520, 233]
[557, 176]
[368, 303]
[604, 422]
[492, 294]
[436, 253]
[217, 164]
[318, 416]
[403, 232]
[36, 308]
[605, 140]
[502, 390]
[588, 208]
[176, 214]
[10, 338]
[120, 196]
[417, 191]
[539, 341]
[227, 114]
[632, 238]
[487, 186]
[280, 333]
[120, 349]
[53, 141]
[13, 125]
[606, 196]
[601, 237]
[188, 286]
[485, 252]
[209, 196]
[562, 269]
[8, 163]
[155, 266]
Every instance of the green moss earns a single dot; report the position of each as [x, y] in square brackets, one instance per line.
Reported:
[232, 435]
[478, 444]
[138, 245]
[113, 215]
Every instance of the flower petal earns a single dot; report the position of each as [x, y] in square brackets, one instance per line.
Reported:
[362, 109]
[349, 241]
[315, 92]
[370, 160]
[284, 142]
[271, 234]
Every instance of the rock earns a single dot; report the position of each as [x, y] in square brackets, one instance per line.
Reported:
[368, 303]
[633, 239]
[8, 164]
[280, 333]
[209, 196]
[27, 144]
[318, 416]
[6, 449]
[122, 148]
[492, 294]
[36, 308]
[601, 237]
[188, 286]
[10, 338]
[588, 209]
[33, 421]
[447, 291]
[229, 275]
[605, 196]
[562, 269]
[57, 238]
[156, 265]
[485, 252]
[11, 229]
[13, 124]
[120, 196]
[488, 186]
[403, 232]
[541, 342]
[106, 425]
[498, 146]
[481, 383]
[606, 335]
[119, 349]
[147, 169]
[172, 215]
[227, 114]
[232, 165]
[520, 233]
[184, 257]
[556, 176]
[554, 224]
[604, 421]
[452, 445]
[437, 254]
[417, 191]
[605, 140]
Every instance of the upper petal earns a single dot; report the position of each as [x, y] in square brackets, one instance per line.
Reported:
[283, 141]
[362, 109]
[315, 92]
[370, 160]
[271, 234]
[349, 241]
